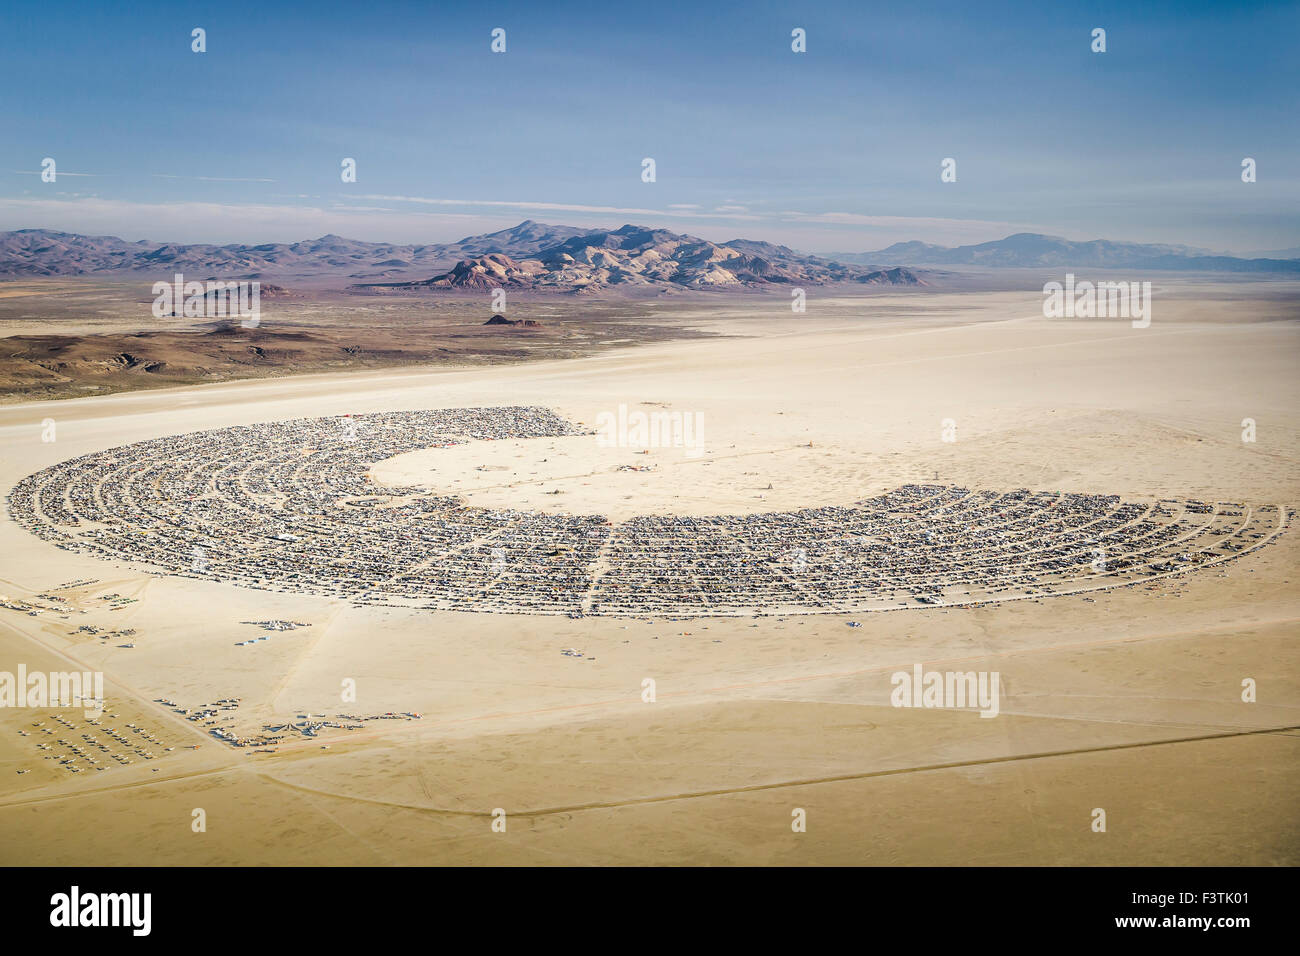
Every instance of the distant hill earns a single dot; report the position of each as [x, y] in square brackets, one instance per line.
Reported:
[531, 255]
[42, 252]
[642, 257]
[1292, 253]
[1031, 250]
[521, 240]
[536, 255]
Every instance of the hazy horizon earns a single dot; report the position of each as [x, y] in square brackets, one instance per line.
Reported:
[611, 227]
[1141, 143]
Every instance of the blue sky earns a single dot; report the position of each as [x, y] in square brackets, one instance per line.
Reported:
[838, 148]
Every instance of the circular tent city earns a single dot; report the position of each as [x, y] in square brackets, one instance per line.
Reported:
[291, 506]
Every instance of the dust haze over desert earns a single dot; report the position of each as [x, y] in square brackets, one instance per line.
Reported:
[705, 503]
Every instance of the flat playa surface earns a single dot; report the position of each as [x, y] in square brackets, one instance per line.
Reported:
[1129, 700]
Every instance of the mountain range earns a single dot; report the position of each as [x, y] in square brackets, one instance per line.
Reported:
[535, 255]
[41, 252]
[531, 255]
[1032, 250]
[637, 256]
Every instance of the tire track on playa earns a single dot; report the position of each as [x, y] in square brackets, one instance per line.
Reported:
[379, 853]
[227, 755]
[233, 767]
[300, 658]
[725, 689]
[233, 762]
[138, 697]
[788, 784]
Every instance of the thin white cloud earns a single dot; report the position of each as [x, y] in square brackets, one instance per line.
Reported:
[215, 179]
[857, 219]
[59, 172]
[231, 222]
[551, 207]
[956, 227]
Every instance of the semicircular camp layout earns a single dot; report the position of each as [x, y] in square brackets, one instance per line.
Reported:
[291, 506]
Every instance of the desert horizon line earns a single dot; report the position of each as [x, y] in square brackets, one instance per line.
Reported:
[1177, 249]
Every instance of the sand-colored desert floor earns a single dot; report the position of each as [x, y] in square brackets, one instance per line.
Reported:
[1128, 701]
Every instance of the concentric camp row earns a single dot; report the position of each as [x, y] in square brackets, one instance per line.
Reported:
[290, 506]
